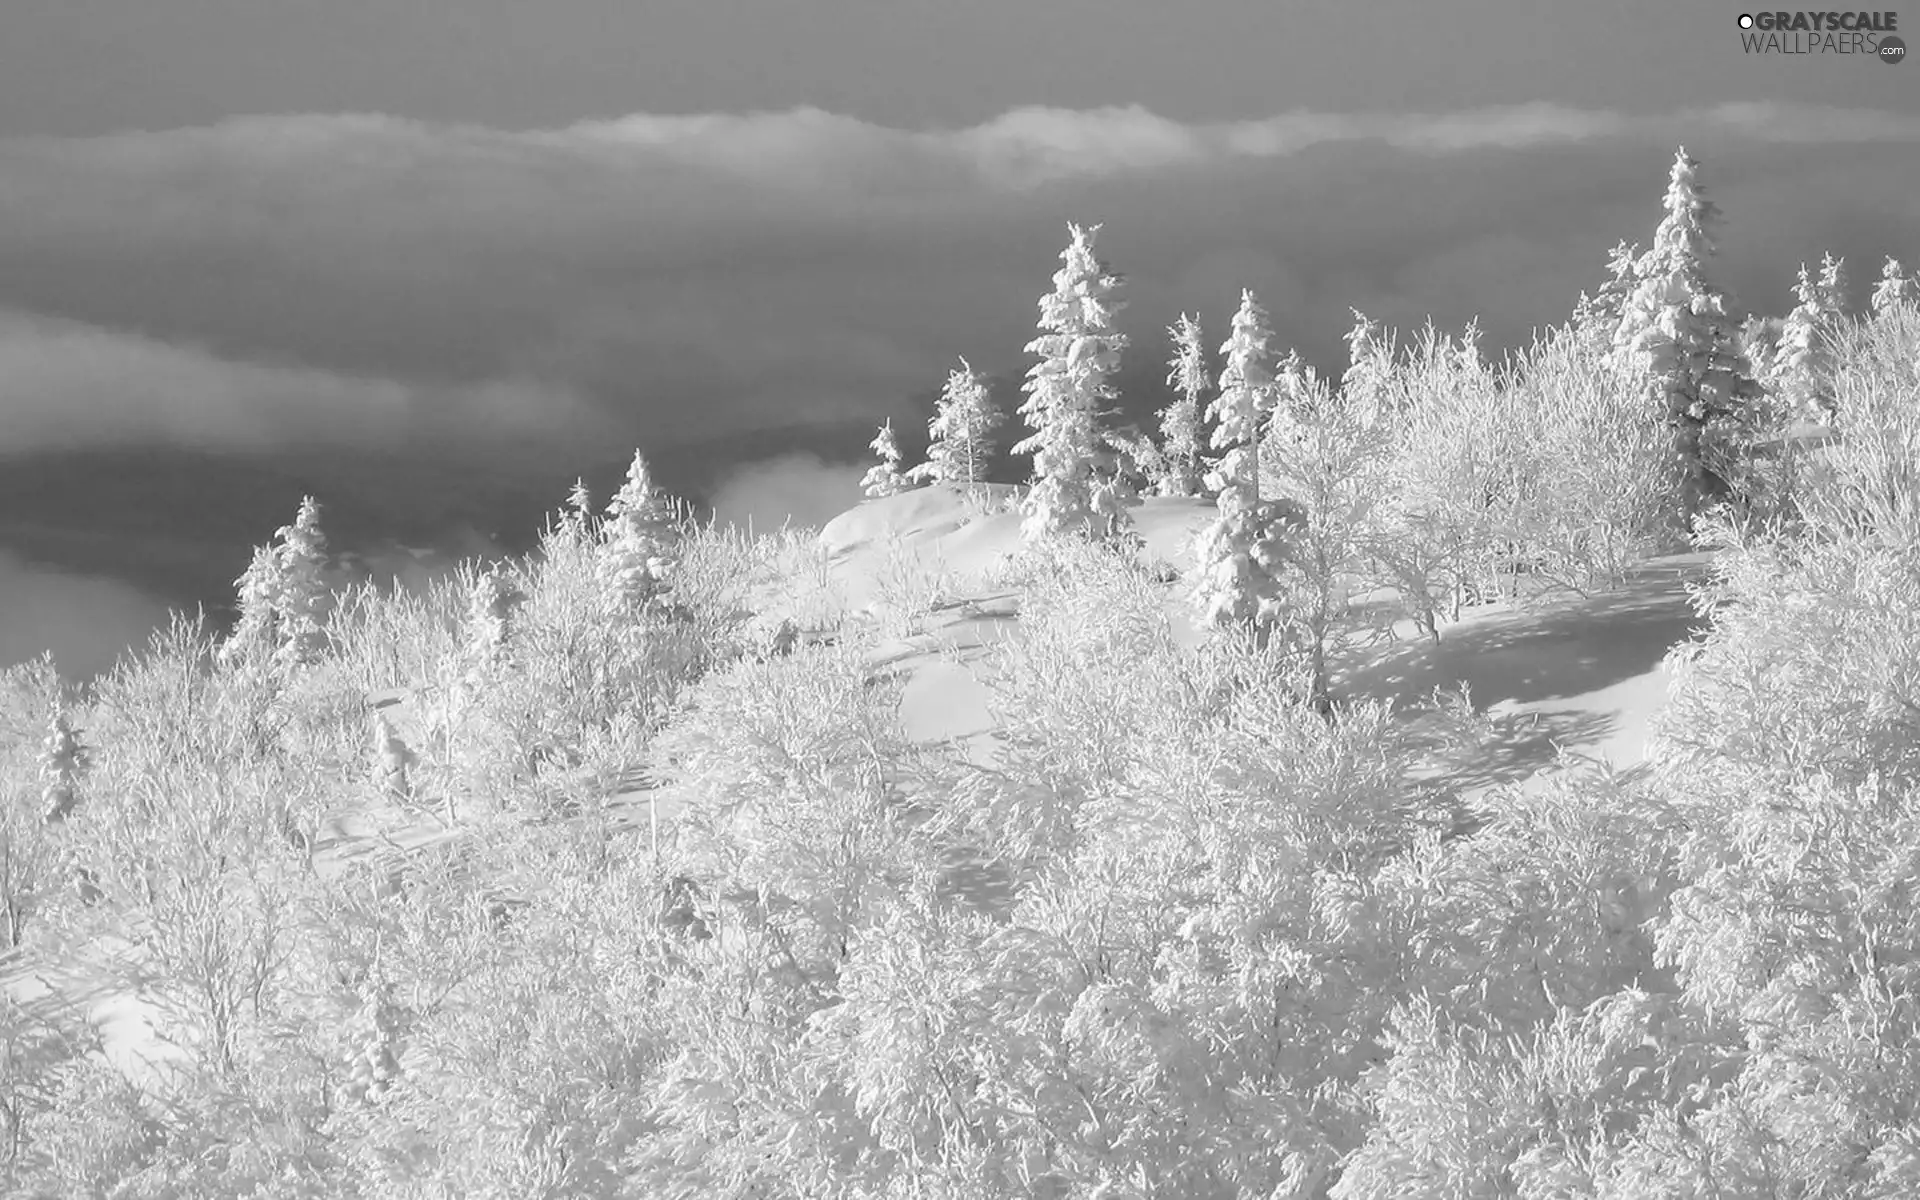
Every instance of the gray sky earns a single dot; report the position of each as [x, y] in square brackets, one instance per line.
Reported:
[538, 232]
[90, 66]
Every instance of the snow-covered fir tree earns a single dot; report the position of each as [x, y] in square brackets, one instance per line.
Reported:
[301, 605]
[492, 599]
[1596, 318]
[1067, 392]
[1369, 363]
[963, 422]
[1675, 334]
[639, 542]
[1833, 283]
[1182, 423]
[577, 524]
[1240, 556]
[257, 632]
[62, 757]
[1800, 371]
[1894, 287]
[884, 478]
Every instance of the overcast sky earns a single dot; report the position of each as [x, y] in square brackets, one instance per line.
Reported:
[578, 225]
[77, 67]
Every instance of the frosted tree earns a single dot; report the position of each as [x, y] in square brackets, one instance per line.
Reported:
[1895, 287]
[256, 633]
[1241, 555]
[639, 542]
[1801, 369]
[1369, 363]
[885, 478]
[577, 524]
[1298, 392]
[492, 599]
[1675, 334]
[62, 758]
[1833, 283]
[1596, 318]
[1182, 423]
[1067, 390]
[301, 604]
[963, 421]
[1323, 474]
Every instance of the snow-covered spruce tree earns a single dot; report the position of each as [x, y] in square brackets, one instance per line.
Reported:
[1800, 372]
[1240, 558]
[1895, 287]
[577, 523]
[301, 604]
[62, 757]
[884, 478]
[1370, 354]
[1298, 388]
[1675, 334]
[256, 633]
[1182, 423]
[1596, 318]
[1833, 283]
[639, 543]
[1067, 390]
[492, 599]
[963, 422]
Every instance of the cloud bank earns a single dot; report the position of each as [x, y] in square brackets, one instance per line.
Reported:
[366, 280]
[85, 620]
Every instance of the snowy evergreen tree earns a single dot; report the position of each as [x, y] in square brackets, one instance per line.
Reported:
[257, 632]
[1800, 372]
[1182, 423]
[1297, 391]
[1833, 284]
[639, 543]
[1240, 557]
[577, 524]
[491, 602]
[1067, 391]
[963, 421]
[884, 478]
[62, 758]
[1675, 333]
[1369, 364]
[1894, 288]
[301, 604]
[1596, 318]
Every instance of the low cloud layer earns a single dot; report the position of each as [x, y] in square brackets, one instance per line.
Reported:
[798, 489]
[364, 280]
[87, 621]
